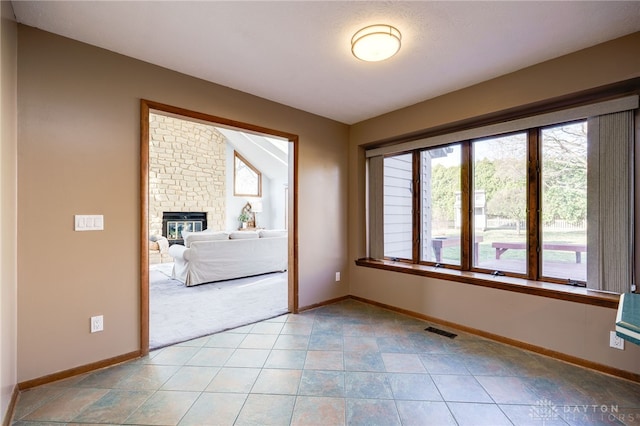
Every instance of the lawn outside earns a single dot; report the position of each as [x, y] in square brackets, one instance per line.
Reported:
[559, 264]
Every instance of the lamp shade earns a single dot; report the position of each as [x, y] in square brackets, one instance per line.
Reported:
[376, 42]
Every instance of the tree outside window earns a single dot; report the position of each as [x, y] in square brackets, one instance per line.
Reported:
[500, 171]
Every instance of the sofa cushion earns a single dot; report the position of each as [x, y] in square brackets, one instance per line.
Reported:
[190, 237]
[271, 233]
[243, 235]
[184, 232]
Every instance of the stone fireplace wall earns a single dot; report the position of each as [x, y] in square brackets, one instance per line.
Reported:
[187, 170]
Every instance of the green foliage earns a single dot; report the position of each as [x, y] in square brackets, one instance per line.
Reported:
[564, 171]
[509, 202]
[502, 175]
[508, 198]
[564, 195]
[443, 198]
[564, 191]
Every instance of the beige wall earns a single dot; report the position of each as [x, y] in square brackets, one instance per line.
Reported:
[8, 216]
[78, 151]
[574, 329]
[600, 65]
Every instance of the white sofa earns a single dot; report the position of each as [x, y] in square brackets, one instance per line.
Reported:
[214, 256]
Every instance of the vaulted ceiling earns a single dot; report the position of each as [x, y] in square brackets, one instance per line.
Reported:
[298, 53]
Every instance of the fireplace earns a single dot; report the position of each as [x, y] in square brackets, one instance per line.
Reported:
[173, 223]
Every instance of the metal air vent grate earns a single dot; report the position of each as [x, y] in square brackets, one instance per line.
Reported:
[440, 332]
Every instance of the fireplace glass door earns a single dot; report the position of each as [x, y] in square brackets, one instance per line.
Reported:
[175, 228]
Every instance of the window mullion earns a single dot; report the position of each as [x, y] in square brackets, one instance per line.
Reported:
[417, 207]
[533, 205]
[465, 207]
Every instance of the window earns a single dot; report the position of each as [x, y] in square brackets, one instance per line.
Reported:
[398, 207]
[547, 198]
[564, 201]
[500, 203]
[247, 180]
[441, 208]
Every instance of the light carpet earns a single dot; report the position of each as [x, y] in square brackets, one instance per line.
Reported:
[178, 313]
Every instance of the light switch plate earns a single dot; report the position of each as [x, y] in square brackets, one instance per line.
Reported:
[84, 222]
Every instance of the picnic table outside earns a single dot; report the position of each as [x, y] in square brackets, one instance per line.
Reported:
[440, 243]
[502, 247]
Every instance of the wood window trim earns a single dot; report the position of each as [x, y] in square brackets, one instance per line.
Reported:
[534, 197]
[507, 283]
[466, 228]
[533, 217]
[525, 284]
[585, 97]
[416, 197]
[467, 247]
[238, 156]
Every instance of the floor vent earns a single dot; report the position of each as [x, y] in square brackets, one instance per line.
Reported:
[441, 332]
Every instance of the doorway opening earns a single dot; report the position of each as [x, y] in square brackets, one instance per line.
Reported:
[189, 167]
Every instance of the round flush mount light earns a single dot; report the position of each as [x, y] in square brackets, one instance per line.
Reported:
[376, 42]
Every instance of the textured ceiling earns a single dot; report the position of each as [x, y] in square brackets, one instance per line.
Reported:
[298, 53]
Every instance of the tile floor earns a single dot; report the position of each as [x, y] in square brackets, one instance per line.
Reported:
[346, 363]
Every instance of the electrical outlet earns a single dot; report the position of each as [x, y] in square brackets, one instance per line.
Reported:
[97, 323]
[337, 276]
[615, 341]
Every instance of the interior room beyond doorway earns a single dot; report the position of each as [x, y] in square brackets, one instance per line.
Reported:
[203, 179]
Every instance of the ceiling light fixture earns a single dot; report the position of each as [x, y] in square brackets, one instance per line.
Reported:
[376, 42]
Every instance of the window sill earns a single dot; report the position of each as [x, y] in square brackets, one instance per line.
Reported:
[519, 285]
